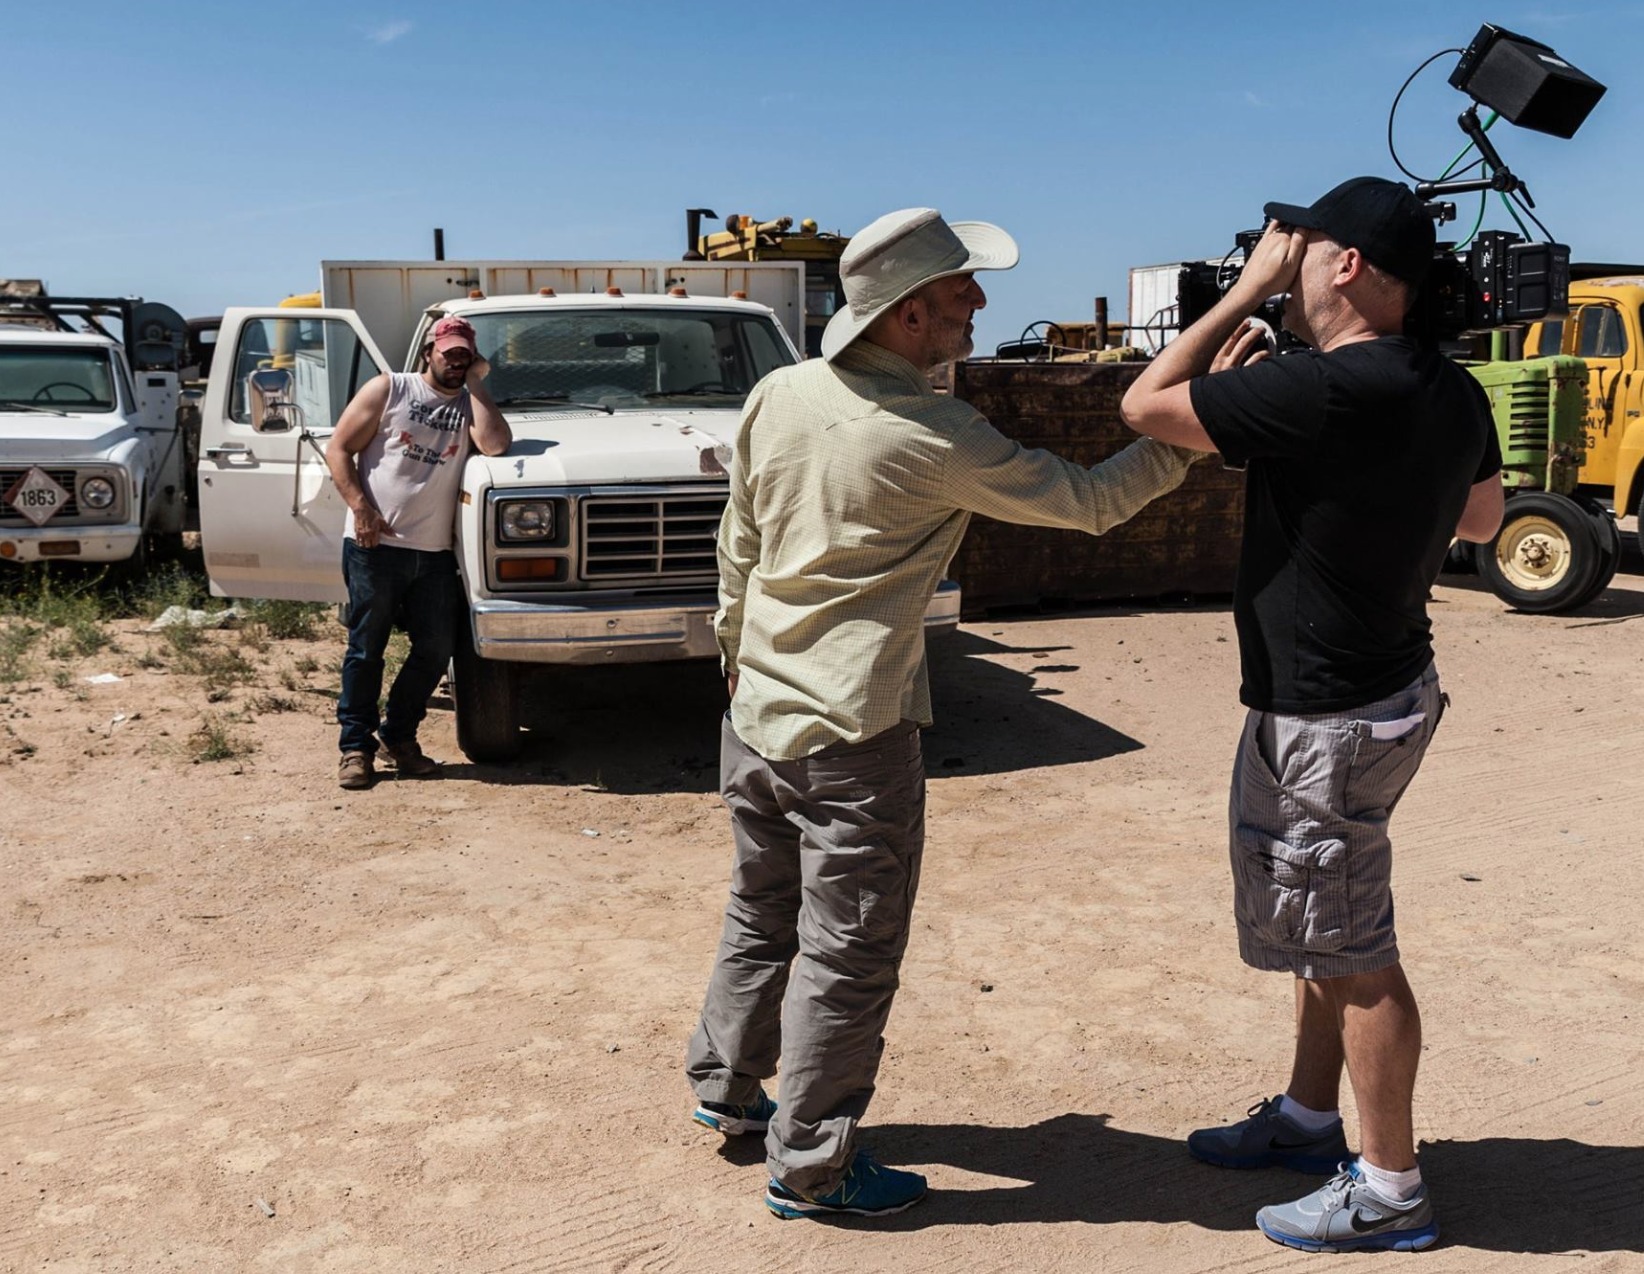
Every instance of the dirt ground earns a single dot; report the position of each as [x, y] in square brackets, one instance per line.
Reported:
[256, 1023]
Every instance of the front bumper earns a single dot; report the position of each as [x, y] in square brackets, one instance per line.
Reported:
[70, 543]
[653, 630]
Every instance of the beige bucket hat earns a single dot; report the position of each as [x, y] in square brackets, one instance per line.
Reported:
[900, 253]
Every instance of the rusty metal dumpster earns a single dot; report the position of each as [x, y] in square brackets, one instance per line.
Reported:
[1185, 543]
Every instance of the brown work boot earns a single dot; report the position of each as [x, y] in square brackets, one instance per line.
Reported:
[355, 771]
[410, 761]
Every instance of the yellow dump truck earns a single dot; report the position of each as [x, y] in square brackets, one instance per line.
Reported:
[1604, 329]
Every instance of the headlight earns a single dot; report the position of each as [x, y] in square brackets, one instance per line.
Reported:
[96, 493]
[527, 520]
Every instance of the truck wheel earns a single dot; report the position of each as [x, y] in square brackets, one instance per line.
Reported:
[1609, 546]
[486, 694]
[1546, 555]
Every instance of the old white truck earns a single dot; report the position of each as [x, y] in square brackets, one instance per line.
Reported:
[592, 540]
[91, 457]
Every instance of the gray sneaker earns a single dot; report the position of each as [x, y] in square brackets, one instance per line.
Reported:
[1268, 1140]
[1346, 1215]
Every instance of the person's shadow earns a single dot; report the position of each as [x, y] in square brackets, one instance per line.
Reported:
[655, 727]
[1497, 1194]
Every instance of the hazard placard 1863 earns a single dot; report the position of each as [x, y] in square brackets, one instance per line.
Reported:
[37, 495]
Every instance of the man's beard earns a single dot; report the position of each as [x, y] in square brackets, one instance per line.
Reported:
[950, 343]
[450, 378]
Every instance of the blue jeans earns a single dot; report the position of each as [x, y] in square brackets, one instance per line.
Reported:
[423, 594]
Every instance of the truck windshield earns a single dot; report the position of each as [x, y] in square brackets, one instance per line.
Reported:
[63, 379]
[613, 357]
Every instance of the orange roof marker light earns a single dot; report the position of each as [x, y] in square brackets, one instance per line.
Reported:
[739, 295]
[677, 290]
[474, 294]
[613, 291]
[545, 291]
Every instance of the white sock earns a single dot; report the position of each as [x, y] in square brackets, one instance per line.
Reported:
[1397, 1186]
[1305, 1117]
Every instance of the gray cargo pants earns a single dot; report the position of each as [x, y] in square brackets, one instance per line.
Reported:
[823, 880]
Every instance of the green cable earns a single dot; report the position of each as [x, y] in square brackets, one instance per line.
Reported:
[1484, 198]
[1462, 153]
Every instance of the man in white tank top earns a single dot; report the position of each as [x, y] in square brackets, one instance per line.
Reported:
[397, 458]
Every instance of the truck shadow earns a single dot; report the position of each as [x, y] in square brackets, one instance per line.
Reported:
[1622, 600]
[1497, 1194]
[655, 727]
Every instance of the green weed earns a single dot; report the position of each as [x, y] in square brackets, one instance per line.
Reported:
[285, 621]
[216, 741]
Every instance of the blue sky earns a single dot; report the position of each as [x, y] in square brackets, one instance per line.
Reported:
[207, 155]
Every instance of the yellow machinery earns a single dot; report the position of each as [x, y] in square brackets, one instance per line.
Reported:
[745, 239]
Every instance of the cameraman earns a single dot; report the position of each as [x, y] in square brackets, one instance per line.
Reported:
[1364, 456]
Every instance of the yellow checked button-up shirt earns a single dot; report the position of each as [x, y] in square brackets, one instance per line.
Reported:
[851, 487]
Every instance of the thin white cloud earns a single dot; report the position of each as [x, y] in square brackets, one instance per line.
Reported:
[387, 32]
[1252, 99]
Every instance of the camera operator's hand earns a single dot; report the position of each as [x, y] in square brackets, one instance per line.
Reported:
[1272, 267]
[1247, 344]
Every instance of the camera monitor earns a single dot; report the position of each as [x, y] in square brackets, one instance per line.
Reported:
[1525, 82]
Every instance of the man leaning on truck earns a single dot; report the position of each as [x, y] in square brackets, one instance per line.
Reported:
[852, 483]
[396, 458]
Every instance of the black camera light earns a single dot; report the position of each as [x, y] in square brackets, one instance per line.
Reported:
[1525, 82]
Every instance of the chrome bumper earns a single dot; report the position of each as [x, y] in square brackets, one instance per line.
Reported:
[649, 631]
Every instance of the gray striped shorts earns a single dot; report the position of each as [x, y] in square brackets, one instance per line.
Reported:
[1312, 864]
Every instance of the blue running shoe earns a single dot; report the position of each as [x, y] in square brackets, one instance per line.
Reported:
[1268, 1140]
[869, 1189]
[733, 1121]
[1346, 1214]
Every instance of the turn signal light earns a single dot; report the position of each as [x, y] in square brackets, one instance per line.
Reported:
[536, 570]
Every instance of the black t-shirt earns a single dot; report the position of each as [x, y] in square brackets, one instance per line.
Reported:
[1360, 464]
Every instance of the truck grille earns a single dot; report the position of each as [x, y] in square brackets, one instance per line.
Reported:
[640, 538]
[1528, 403]
[10, 476]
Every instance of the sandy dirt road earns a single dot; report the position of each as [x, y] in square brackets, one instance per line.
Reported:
[254, 1023]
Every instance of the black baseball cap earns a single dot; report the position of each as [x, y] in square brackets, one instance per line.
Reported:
[1382, 219]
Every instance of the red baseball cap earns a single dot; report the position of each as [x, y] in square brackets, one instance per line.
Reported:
[452, 332]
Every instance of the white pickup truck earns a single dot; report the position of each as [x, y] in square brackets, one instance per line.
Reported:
[592, 540]
[91, 457]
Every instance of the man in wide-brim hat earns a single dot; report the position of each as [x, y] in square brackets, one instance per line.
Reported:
[851, 487]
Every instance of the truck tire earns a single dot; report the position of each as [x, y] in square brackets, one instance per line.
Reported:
[1609, 546]
[486, 695]
[1546, 555]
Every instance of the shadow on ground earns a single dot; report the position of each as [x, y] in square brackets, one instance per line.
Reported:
[655, 727]
[1499, 1194]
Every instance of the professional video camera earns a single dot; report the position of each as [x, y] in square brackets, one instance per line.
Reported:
[1492, 278]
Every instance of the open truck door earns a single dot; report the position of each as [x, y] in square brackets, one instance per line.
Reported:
[271, 522]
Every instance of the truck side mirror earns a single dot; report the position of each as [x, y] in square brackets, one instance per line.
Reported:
[269, 391]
